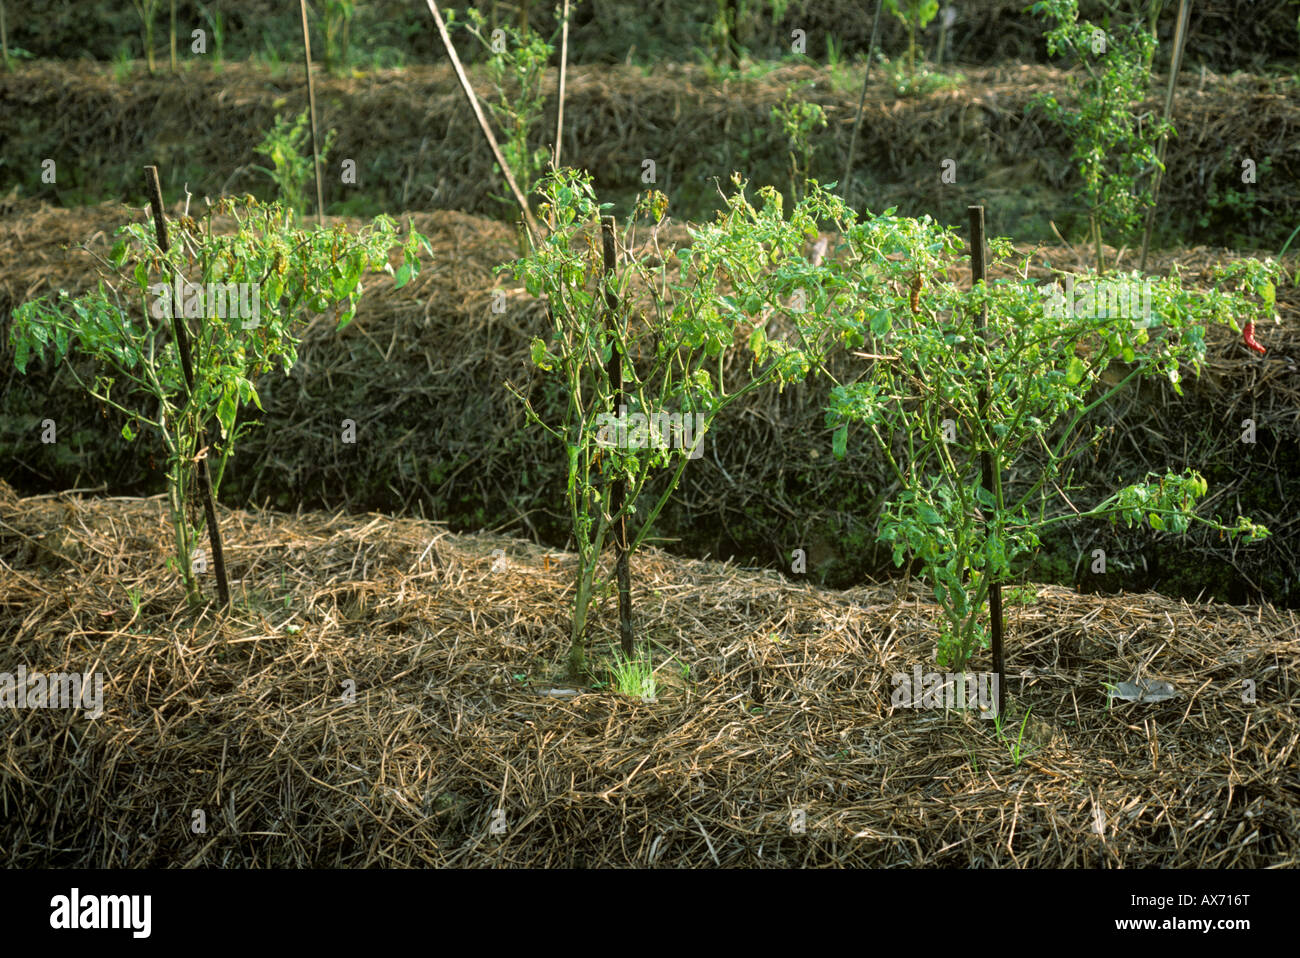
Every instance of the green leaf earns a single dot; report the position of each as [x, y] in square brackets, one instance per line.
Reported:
[127, 432]
[881, 322]
[840, 441]
[226, 411]
[402, 276]
[248, 393]
[539, 354]
[929, 515]
[1074, 371]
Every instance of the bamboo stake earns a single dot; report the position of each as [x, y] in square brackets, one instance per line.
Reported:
[173, 35]
[862, 100]
[529, 220]
[564, 61]
[1175, 63]
[4, 36]
[154, 190]
[311, 107]
[979, 274]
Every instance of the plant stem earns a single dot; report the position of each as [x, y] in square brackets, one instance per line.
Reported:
[187, 368]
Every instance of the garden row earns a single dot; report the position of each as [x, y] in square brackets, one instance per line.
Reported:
[420, 374]
[416, 146]
[396, 32]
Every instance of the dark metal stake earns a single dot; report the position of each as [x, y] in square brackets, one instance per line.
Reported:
[187, 367]
[979, 274]
[618, 489]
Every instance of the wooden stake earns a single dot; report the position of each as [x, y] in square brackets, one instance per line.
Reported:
[618, 489]
[173, 35]
[559, 97]
[529, 220]
[311, 107]
[979, 274]
[154, 190]
[862, 100]
[4, 36]
[1175, 63]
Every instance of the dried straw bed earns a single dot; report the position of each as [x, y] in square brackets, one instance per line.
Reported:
[787, 707]
[416, 141]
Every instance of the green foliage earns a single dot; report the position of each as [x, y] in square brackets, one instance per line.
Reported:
[125, 327]
[217, 24]
[1015, 747]
[1022, 595]
[1113, 146]
[337, 16]
[516, 66]
[740, 272]
[1228, 210]
[798, 119]
[920, 82]
[1043, 365]
[633, 677]
[146, 10]
[122, 64]
[915, 15]
[727, 24]
[291, 169]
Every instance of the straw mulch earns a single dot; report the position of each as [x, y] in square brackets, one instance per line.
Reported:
[464, 746]
[418, 146]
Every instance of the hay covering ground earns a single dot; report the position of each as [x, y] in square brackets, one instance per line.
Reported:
[417, 146]
[456, 726]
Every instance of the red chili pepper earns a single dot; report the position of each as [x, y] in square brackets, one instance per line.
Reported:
[1248, 334]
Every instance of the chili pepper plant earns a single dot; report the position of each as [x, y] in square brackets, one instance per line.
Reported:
[941, 390]
[1115, 144]
[677, 319]
[245, 295]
